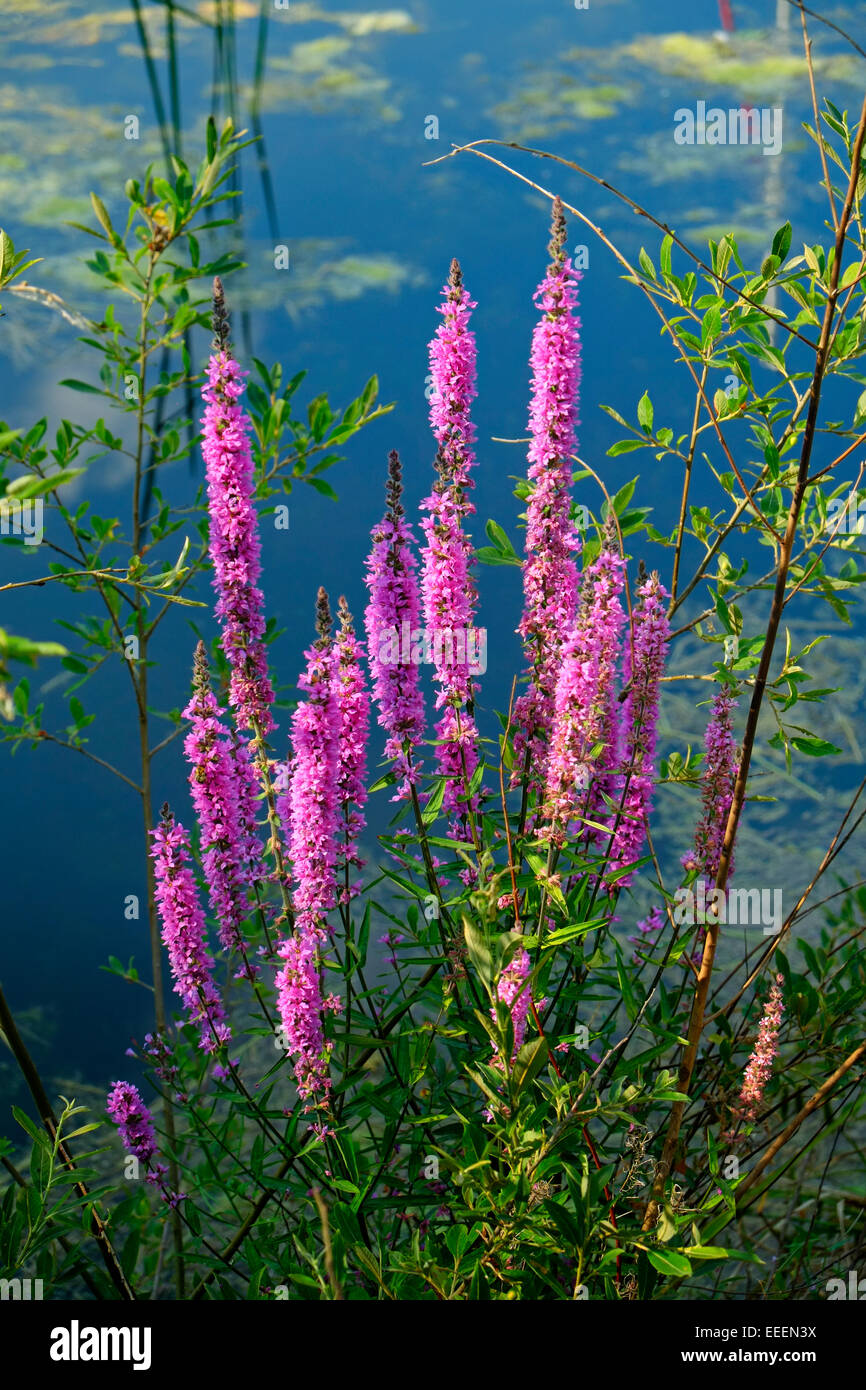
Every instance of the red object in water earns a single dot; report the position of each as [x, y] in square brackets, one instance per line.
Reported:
[726, 14]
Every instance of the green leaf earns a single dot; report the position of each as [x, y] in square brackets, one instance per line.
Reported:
[324, 488]
[529, 1061]
[499, 537]
[102, 215]
[625, 446]
[645, 413]
[81, 386]
[851, 274]
[646, 264]
[669, 1262]
[489, 555]
[815, 747]
[479, 951]
[665, 256]
[712, 327]
[36, 1134]
[32, 486]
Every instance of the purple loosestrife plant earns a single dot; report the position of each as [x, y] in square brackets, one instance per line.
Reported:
[137, 1134]
[282, 785]
[184, 933]
[643, 669]
[214, 784]
[313, 810]
[132, 1117]
[452, 367]
[552, 542]
[394, 610]
[448, 589]
[584, 702]
[717, 789]
[353, 703]
[759, 1068]
[513, 990]
[247, 794]
[234, 541]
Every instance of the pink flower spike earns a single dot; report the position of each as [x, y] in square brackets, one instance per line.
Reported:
[760, 1065]
[584, 701]
[552, 542]
[214, 787]
[719, 775]
[132, 1117]
[312, 797]
[234, 541]
[633, 788]
[183, 933]
[392, 612]
[448, 589]
[353, 703]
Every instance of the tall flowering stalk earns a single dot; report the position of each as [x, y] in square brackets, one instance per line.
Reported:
[513, 990]
[448, 589]
[125, 1107]
[353, 703]
[552, 543]
[213, 781]
[584, 702]
[760, 1065]
[313, 812]
[394, 609]
[247, 795]
[234, 542]
[717, 789]
[643, 669]
[128, 1111]
[184, 933]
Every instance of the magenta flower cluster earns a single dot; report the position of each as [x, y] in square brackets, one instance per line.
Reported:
[234, 541]
[132, 1117]
[353, 705]
[584, 729]
[313, 824]
[759, 1068]
[184, 933]
[513, 990]
[642, 671]
[217, 790]
[717, 789]
[448, 590]
[395, 601]
[550, 579]
[584, 739]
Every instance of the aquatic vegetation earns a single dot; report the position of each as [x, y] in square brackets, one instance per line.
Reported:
[748, 65]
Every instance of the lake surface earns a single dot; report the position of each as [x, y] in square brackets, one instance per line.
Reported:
[347, 101]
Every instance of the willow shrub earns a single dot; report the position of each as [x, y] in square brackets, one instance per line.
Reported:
[517, 1098]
